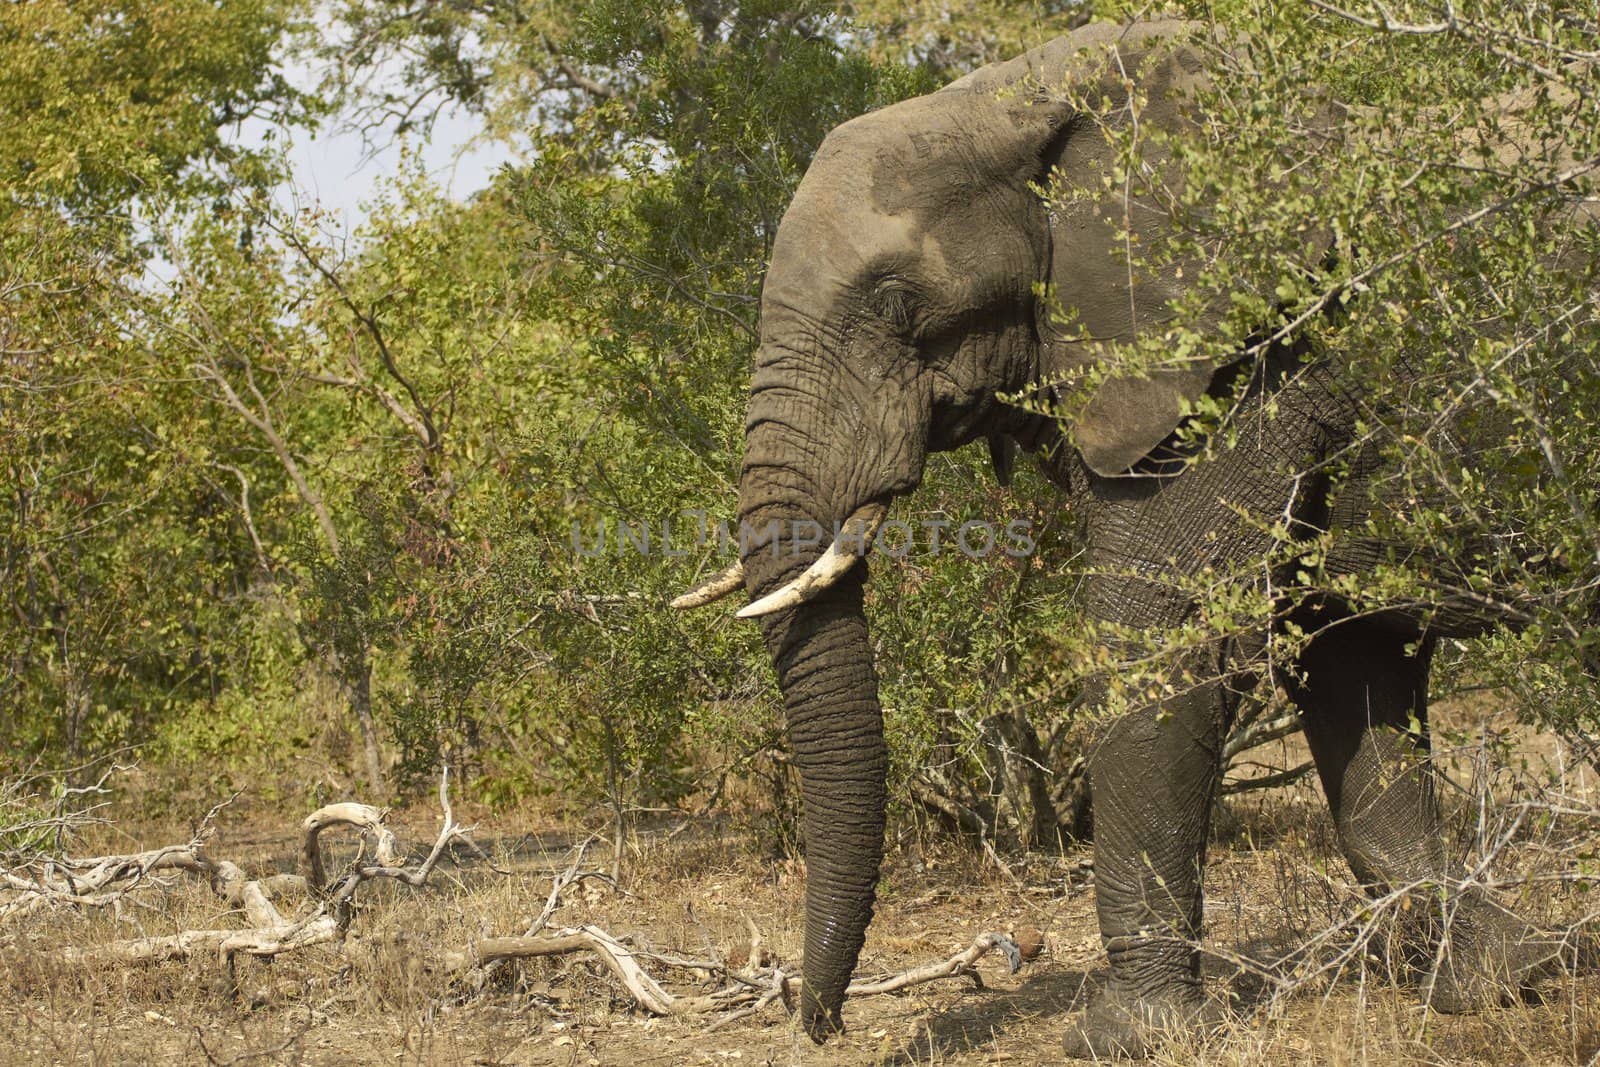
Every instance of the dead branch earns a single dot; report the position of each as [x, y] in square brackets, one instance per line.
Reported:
[1272, 780]
[268, 931]
[364, 817]
[743, 995]
[1259, 731]
[318, 928]
[146, 949]
[957, 965]
[98, 882]
[574, 874]
[449, 830]
[939, 801]
[234, 888]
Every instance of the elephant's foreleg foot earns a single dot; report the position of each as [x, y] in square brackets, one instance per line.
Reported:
[1123, 1023]
[1154, 996]
[820, 1022]
[1476, 955]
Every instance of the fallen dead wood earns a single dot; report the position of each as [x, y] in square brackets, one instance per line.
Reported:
[267, 931]
[957, 965]
[146, 949]
[617, 957]
[37, 880]
[364, 817]
[750, 991]
[574, 874]
[98, 882]
[103, 881]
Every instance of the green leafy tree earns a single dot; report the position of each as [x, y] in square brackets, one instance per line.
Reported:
[1438, 241]
[104, 104]
[120, 567]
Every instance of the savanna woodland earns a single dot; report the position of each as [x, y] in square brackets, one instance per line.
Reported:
[322, 537]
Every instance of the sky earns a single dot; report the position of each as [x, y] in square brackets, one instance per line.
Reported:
[337, 169]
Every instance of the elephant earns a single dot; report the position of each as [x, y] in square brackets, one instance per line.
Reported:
[905, 293]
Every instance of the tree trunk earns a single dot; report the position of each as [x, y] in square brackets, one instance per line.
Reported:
[360, 688]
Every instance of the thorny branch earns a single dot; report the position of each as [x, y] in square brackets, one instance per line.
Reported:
[1478, 33]
[1370, 923]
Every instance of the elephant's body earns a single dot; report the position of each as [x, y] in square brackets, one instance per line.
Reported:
[902, 296]
[1360, 685]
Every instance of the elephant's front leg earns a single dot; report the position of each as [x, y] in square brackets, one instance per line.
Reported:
[1154, 775]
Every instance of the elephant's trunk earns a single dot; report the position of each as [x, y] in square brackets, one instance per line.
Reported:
[830, 691]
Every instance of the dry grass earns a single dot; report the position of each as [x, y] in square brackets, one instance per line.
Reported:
[1273, 877]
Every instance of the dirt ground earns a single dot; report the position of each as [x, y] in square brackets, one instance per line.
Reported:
[1273, 882]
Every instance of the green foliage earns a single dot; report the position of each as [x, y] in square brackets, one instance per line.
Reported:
[291, 502]
[1438, 241]
[119, 563]
[104, 102]
[662, 208]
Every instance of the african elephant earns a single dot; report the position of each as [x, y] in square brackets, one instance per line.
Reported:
[903, 294]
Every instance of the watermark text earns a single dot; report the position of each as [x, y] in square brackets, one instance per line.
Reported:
[692, 531]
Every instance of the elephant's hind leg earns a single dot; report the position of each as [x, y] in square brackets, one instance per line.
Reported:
[1364, 704]
[1363, 698]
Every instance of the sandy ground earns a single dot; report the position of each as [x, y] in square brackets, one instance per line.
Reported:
[1273, 882]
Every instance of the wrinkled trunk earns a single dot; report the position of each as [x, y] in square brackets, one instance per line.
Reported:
[830, 692]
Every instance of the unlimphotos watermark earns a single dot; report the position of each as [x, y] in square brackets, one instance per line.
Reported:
[692, 531]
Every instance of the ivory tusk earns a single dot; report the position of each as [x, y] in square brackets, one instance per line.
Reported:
[715, 587]
[833, 564]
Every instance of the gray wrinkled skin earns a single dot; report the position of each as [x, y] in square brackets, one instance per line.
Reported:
[899, 300]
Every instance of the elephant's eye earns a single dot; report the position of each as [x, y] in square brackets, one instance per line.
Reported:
[894, 302]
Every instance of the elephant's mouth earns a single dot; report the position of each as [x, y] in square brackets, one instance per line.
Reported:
[852, 541]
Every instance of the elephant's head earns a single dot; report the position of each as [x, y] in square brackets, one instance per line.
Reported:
[903, 294]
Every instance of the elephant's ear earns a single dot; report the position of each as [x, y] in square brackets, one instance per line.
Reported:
[1099, 294]
[1066, 100]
